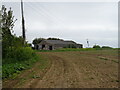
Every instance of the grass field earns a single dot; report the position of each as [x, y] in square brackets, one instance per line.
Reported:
[73, 69]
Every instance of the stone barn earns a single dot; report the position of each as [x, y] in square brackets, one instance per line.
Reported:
[55, 44]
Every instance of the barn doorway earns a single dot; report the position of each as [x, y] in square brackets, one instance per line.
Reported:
[37, 47]
[50, 48]
[43, 46]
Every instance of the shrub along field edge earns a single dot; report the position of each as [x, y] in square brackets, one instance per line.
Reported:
[18, 60]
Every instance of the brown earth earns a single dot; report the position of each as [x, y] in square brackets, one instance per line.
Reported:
[73, 69]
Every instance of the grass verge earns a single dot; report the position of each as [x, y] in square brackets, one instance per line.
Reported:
[74, 49]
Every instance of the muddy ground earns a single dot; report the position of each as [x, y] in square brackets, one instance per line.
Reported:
[73, 69]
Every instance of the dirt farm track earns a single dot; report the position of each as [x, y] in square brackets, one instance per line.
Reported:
[71, 69]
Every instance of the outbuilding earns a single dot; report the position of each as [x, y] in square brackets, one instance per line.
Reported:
[55, 44]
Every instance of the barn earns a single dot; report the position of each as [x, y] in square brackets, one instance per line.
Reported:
[55, 44]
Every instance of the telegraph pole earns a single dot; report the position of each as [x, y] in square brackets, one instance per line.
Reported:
[23, 23]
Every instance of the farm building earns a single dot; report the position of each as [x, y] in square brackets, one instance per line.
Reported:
[55, 44]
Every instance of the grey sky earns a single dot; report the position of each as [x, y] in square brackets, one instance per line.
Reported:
[78, 21]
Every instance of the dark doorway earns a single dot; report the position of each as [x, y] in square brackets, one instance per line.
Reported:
[37, 47]
[43, 46]
[50, 48]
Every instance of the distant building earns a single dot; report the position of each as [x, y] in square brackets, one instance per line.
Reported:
[55, 44]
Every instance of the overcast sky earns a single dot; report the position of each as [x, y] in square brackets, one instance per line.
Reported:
[77, 21]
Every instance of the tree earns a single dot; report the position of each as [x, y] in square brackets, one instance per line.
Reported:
[37, 40]
[96, 46]
[7, 24]
[7, 21]
[53, 39]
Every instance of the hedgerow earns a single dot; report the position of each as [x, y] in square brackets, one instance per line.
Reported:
[18, 60]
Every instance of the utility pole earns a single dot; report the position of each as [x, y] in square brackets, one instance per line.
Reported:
[23, 23]
[88, 43]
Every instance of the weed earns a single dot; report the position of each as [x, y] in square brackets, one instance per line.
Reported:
[35, 76]
[91, 78]
[117, 80]
[103, 58]
[115, 61]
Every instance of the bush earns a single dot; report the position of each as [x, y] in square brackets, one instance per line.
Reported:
[106, 47]
[96, 46]
[21, 53]
[18, 60]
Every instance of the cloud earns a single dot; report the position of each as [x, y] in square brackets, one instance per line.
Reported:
[97, 21]
[62, 0]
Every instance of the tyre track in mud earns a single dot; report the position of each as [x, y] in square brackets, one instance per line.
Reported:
[54, 76]
[68, 72]
[73, 70]
[62, 74]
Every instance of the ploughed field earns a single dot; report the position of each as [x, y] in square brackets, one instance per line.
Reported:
[71, 69]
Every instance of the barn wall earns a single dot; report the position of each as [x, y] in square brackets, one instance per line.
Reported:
[46, 46]
[56, 46]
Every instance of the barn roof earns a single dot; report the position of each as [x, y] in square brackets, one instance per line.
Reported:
[59, 42]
